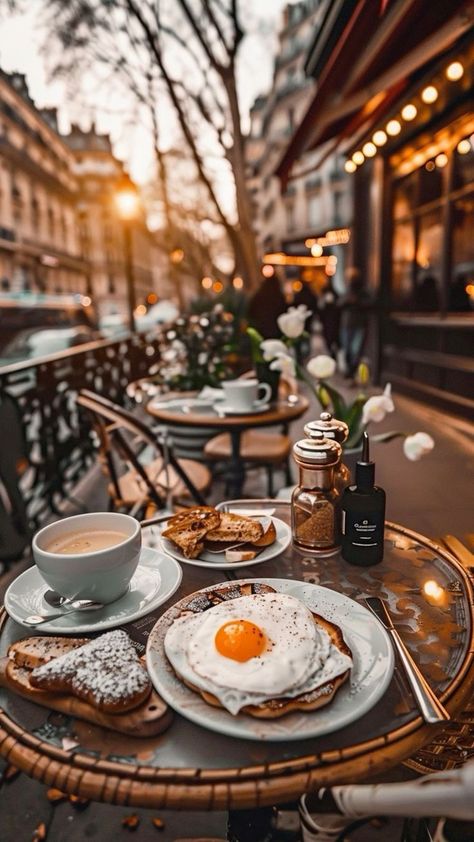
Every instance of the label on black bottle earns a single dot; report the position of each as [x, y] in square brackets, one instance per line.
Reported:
[363, 532]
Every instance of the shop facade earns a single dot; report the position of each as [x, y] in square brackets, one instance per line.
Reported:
[405, 124]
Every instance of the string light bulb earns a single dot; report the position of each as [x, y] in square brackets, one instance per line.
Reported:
[358, 157]
[316, 250]
[349, 166]
[379, 138]
[463, 146]
[393, 127]
[409, 112]
[369, 149]
[429, 94]
[441, 160]
[454, 71]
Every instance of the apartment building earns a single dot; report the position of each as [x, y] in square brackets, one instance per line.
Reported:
[59, 228]
[40, 247]
[311, 204]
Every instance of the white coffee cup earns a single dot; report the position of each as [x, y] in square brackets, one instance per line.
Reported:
[102, 575]
[243, 394]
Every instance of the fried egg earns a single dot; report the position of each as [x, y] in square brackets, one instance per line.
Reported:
[248, 650]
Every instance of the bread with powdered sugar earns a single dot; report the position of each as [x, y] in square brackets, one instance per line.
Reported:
[105, 672]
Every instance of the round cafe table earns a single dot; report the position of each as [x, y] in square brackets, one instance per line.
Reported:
[188, 413]
[189, 767]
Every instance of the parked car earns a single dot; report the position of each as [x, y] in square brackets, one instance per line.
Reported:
[33, 325]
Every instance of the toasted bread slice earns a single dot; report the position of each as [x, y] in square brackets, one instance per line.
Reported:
[236, 528]
[205, 515]
[269, 534]
[188, 529]
[31, 652]
[272, 708]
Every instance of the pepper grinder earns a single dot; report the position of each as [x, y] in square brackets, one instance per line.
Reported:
[332, 428]
[314, 521]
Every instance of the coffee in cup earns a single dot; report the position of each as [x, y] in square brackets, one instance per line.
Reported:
[91, 556]
[85, 542]
[243, 394]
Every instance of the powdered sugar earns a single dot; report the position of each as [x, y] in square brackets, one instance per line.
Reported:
[107, 669]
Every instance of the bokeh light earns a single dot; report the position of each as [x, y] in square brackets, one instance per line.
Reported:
[429, 94]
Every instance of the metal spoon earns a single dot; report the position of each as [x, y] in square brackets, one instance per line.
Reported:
[55, 599]
[77, 605]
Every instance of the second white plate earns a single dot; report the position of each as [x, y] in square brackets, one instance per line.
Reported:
[218, 560]
[372, 670]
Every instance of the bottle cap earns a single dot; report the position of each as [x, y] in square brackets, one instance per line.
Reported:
[317, 451]
[365, 469]
[331, 428]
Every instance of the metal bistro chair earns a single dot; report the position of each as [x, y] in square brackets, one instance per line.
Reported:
[135, 484]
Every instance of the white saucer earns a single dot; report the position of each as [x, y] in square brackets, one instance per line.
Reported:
[227, 409]
[218, 560]
[156, 578]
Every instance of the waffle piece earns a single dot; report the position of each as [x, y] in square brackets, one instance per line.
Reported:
[105, 672]
[150, 718]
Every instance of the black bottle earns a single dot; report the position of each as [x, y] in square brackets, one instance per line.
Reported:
[363, 515]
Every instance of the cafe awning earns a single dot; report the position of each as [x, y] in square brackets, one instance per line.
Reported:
[365, 54]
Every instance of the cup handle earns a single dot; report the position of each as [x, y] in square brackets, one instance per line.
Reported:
[267, 394]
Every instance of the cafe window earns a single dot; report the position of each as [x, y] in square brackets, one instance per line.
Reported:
[432, 255]
[314, 210]
[461, 281]
[290, 216]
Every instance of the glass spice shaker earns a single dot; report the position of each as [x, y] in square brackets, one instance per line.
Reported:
[314, 521]
[332, 428]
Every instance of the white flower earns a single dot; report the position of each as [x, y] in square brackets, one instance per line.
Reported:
[271, 348]
[321, 367]
[285, 364]
[292, 322]
[376, 408]
[417, 445]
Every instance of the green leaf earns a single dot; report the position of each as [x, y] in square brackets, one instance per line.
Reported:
[256, 339]
[338, 403]
[354, 417]
[393, 434]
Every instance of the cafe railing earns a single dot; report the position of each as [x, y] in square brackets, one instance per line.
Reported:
[45, 443]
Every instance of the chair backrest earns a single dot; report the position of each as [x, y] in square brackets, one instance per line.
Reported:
[113, 419]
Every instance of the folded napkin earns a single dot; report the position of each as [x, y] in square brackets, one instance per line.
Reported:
[209, 393]
[256, 512]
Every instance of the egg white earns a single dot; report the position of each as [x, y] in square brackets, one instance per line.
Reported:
[300, 657]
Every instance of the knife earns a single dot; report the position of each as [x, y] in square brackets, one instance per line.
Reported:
[430, 707]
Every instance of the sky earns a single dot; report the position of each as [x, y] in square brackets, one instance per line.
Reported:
[21, 37]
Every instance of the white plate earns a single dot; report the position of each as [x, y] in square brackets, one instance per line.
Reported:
[218, 561]
[156, 578]
[226, 409]
[371, 674]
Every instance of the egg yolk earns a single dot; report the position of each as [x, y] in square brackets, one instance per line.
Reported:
[240, 640]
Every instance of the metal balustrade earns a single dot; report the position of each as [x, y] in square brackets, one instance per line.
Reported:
[45, 443]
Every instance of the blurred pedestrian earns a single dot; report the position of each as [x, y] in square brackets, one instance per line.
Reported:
[330, 317]
[265, 305]
[355, 306]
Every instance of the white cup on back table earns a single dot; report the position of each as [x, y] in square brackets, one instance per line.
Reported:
[244, 394]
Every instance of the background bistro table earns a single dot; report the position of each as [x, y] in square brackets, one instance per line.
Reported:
[281, 412]
[188, 767]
